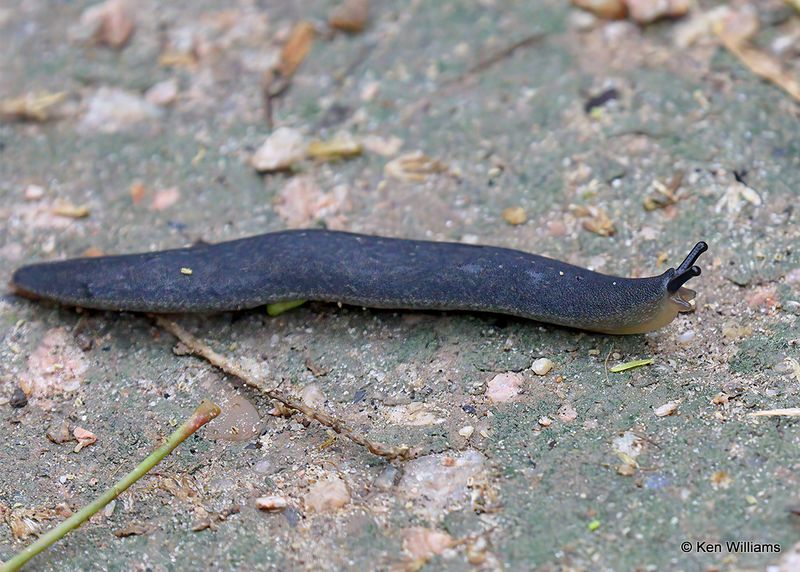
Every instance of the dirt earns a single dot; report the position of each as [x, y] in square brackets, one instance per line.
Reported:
[545, 491]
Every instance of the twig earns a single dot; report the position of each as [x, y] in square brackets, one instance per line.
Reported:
[481, 66]
[198, 347]
[204, 413]
[495, 58]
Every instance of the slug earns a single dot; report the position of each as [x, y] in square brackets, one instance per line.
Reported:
[365, 271]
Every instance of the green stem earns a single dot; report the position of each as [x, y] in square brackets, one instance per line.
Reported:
[204, 413]
[279, 308]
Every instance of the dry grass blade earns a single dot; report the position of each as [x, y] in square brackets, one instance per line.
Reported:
[788, 412]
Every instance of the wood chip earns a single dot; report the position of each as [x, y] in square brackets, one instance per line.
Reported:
[271, 503]
[350, 16]
[515, 215]
[138, 192]
[296, 48]
[71, 211]
[605, 9]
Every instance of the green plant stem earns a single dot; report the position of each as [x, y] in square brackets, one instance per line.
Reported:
[279, 308]
[204, 413]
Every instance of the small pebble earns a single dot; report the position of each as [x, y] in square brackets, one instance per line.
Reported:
[327, 495]
[85, 341]
[386, 480]
[18, 399]
[686, 337]
[466, 431]
[545, 421]
[667, 409]
[33, 192]
[163, 93]
[271, 503]
[312, 395]
[280, 151]
[424, 543]
[567, 413]
[542, 366]
[504, 387]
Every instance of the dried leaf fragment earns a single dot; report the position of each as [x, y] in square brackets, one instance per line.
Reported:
[414, 167]
[350, 16]
[760, 63]
[296, 48]
[664, 195]
[31, 106]
[600, 223]
[25, 522]
[342, 146]
[84, 437]
[721, 480]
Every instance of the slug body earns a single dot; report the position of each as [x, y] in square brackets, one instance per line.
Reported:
[365, 271]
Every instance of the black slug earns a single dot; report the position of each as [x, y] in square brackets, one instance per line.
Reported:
[365, 271]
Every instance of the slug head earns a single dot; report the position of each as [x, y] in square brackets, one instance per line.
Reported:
[678, 295]
[675, 299]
